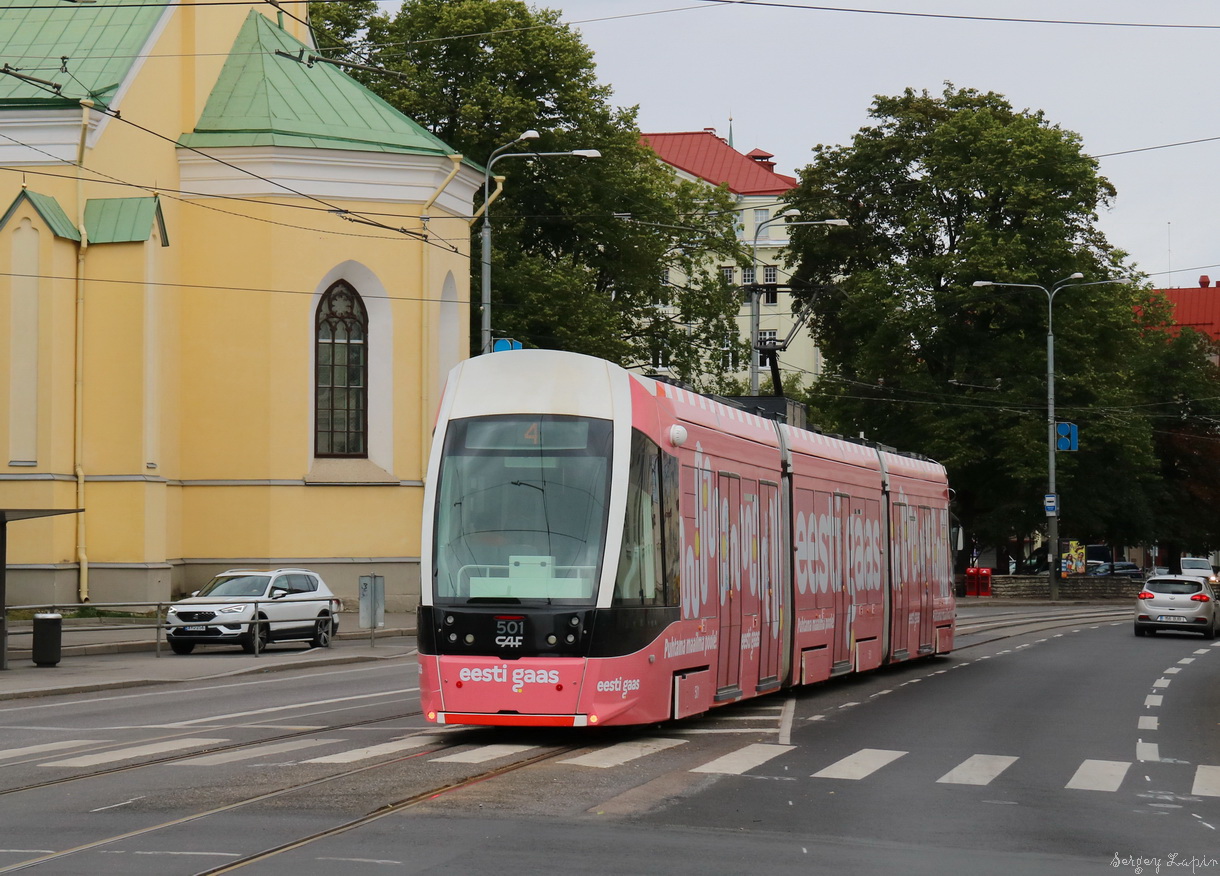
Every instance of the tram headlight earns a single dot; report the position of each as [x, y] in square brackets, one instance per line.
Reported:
[551, 640]
[470, 638]
[575, 621]
[571, 638]
[453, 637]
[449, 620]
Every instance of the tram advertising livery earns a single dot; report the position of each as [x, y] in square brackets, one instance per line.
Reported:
[603, 548]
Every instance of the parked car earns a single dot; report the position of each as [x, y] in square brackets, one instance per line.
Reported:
[251, 607]
[1176, 602]
[1199, 567]
[1119, 569]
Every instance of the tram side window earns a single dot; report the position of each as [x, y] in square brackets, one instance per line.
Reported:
[671, 528]
[639, 580]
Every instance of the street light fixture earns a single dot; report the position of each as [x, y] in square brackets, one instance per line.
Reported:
[485, 231]
[754, 287]
[1052, 500]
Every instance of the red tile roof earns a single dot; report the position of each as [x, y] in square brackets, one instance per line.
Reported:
[1197, 307]
[709, 157]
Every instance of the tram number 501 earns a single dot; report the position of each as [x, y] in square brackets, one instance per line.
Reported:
[510, 632]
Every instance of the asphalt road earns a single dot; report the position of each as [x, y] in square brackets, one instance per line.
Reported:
[1076, 749]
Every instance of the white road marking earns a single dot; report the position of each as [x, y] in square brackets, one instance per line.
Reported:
[1173, 670]
[9, 754]
[1099, 775]
[1186, 661]
[1201, 651]
[785, 721]
[978, 769]
[296, 707]
[117, 805]
[254, 752]
[132, 752]
[1149, 722]
[483, 754]
[1161, 682]
[863, 763]
[394, 747]
[1207, 781]
[737, 762]
[619, 754]
[1145, 751]
[1153, 700]
[714, 731]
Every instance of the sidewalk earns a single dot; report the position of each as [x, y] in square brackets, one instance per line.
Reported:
[94, 660]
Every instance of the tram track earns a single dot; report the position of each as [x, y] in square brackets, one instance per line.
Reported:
[180, 757]
[1010, 625]
[297, 787]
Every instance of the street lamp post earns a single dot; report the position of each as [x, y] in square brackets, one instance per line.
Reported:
[1052, 507]
[755, 286]
[485, 230]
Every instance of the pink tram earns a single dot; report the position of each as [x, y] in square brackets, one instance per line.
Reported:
[602, 548]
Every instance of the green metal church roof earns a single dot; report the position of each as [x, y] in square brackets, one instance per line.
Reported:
[50, 211]
[107, 220]
[262, 98]
[123, 220]
[99, 43]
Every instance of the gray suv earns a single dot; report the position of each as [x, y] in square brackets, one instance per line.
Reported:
[251, 607]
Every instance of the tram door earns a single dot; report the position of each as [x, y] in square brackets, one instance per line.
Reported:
[927, 577]
[728, 675]
[900, 589]
[769, 581]
[841, 582]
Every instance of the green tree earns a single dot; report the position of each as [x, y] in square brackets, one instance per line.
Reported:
[581, 247]
[943, 191]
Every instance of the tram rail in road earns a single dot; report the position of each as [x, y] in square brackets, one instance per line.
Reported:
[1013, 622]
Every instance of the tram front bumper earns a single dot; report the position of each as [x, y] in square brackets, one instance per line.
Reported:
[487, 690]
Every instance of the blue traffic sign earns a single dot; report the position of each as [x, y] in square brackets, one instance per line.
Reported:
[1066, 437]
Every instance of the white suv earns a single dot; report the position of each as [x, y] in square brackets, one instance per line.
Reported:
[1199, 567]
[251, 607]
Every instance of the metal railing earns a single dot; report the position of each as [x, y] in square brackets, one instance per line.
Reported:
[153, 616]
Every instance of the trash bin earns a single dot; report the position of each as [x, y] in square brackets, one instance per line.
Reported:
[972, 581]
[48, 633]
[984, 582]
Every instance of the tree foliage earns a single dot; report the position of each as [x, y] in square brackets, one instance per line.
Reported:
[580, 246]
[942, 191]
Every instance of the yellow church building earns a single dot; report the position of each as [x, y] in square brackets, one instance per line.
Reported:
[232, 281]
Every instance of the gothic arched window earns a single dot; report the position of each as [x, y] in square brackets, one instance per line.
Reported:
[341, 389]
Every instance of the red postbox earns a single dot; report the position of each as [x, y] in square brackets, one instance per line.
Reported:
[984, 582]
[972, 581]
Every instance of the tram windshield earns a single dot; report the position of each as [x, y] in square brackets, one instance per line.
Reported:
[521, 510]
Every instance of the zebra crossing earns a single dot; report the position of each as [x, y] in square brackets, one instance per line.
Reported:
[865, 764]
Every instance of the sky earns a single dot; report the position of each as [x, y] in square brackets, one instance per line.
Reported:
[791, 74]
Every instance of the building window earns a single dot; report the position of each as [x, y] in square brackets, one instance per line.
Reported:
[727, 273]
[770, 293]
[341, 387]
[766, 337]
[761, 215]
[729, 353]
[747, 276]
[665, 277]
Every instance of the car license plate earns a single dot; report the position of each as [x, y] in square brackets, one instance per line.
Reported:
[1172, 618]
[196, 629]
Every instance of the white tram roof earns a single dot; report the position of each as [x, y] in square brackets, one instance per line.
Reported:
[552, 381]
